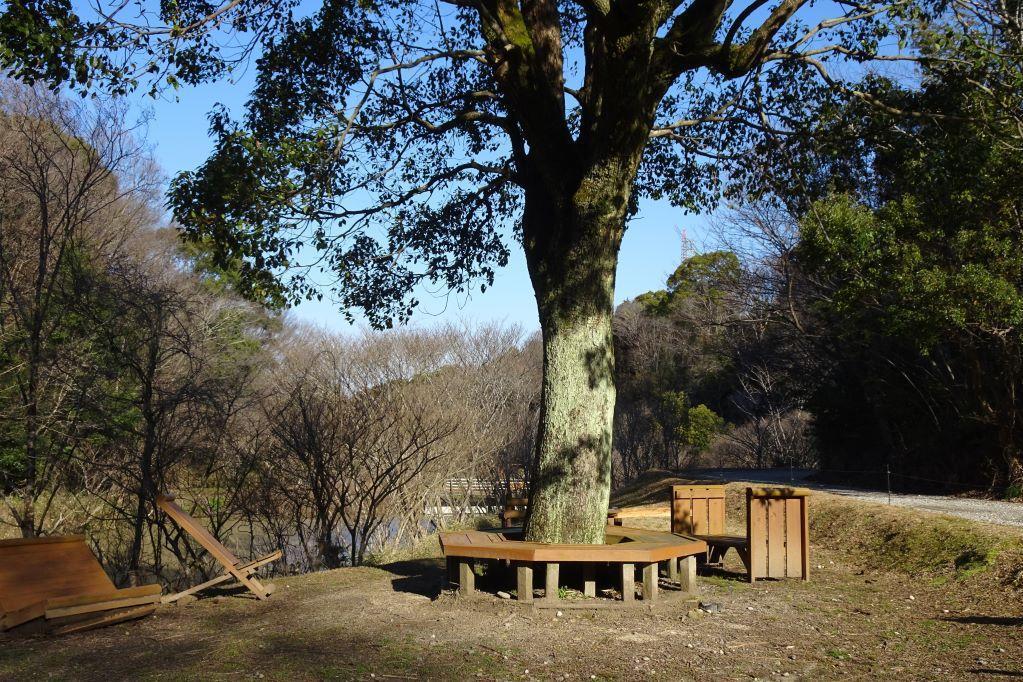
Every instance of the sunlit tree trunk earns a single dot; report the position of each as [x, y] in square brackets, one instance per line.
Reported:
[572, 240]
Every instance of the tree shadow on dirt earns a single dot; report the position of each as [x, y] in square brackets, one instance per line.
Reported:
[1010, 621]
[424, 577]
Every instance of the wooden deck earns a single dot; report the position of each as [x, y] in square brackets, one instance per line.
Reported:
[627, 547]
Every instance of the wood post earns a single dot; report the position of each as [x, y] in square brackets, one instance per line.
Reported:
[466, 578]
[550, 591]
[687, 576]
[628, 582]
[650, 581]
[525, 582]
[589, 580]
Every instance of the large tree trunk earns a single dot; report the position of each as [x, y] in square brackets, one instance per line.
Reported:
[571, 244]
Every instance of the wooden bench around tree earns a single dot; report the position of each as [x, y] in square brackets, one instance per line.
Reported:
[629, 548]
[234, 568]
[777, 540]
[55, 584]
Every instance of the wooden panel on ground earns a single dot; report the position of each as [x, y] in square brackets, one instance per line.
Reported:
[104, 619]
[58, 574]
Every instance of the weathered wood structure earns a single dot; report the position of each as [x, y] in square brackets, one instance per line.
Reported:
[55, 584]
[234, 568]
[777, 540]
[625, 549]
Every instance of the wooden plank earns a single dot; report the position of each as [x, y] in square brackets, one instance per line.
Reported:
[793, 538]
[105, 619]
[589, 580]
[524, 576]
[219, 552]
[756, 531]
[645, 546]
[805, 524]
[248, 569]
[10, 617]
[716, 515]
[50, 539]
[778, 492]
[33, 570]
[466, 579]
[650, 582]
[701, 522]
[82, 599]
[628, 582]
[101, 606]
[687, 574]
[550, 590]
[196, 530]
[775, 538]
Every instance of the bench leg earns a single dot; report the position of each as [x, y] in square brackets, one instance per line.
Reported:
[589, 580]
[524, 573]
[650, 582]
[466, 578]
[550, 590]
[673, 569]
[687, 576]
[628, 582]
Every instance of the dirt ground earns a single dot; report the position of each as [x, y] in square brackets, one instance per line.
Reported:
[396, 623]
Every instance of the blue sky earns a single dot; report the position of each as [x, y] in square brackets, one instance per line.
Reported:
[651, 250]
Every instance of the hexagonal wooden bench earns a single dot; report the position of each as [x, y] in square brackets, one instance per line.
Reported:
[623, 546]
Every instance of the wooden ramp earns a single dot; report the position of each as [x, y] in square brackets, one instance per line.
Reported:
[55, 584]
[234, 568]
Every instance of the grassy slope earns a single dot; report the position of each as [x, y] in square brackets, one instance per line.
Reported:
[876, 536]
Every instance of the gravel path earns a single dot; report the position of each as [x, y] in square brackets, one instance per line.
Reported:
[987, 511]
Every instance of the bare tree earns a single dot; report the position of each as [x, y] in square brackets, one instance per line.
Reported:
[73, 180]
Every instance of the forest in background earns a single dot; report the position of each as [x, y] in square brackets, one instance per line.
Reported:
[860, 313]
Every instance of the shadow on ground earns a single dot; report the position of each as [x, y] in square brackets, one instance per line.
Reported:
[424, 577]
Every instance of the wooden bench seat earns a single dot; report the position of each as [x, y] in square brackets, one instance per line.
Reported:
[627, 547]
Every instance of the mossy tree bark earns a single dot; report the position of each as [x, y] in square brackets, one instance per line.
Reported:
[572, 234]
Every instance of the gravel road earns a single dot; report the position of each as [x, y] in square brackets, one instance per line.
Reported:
[987, 511]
